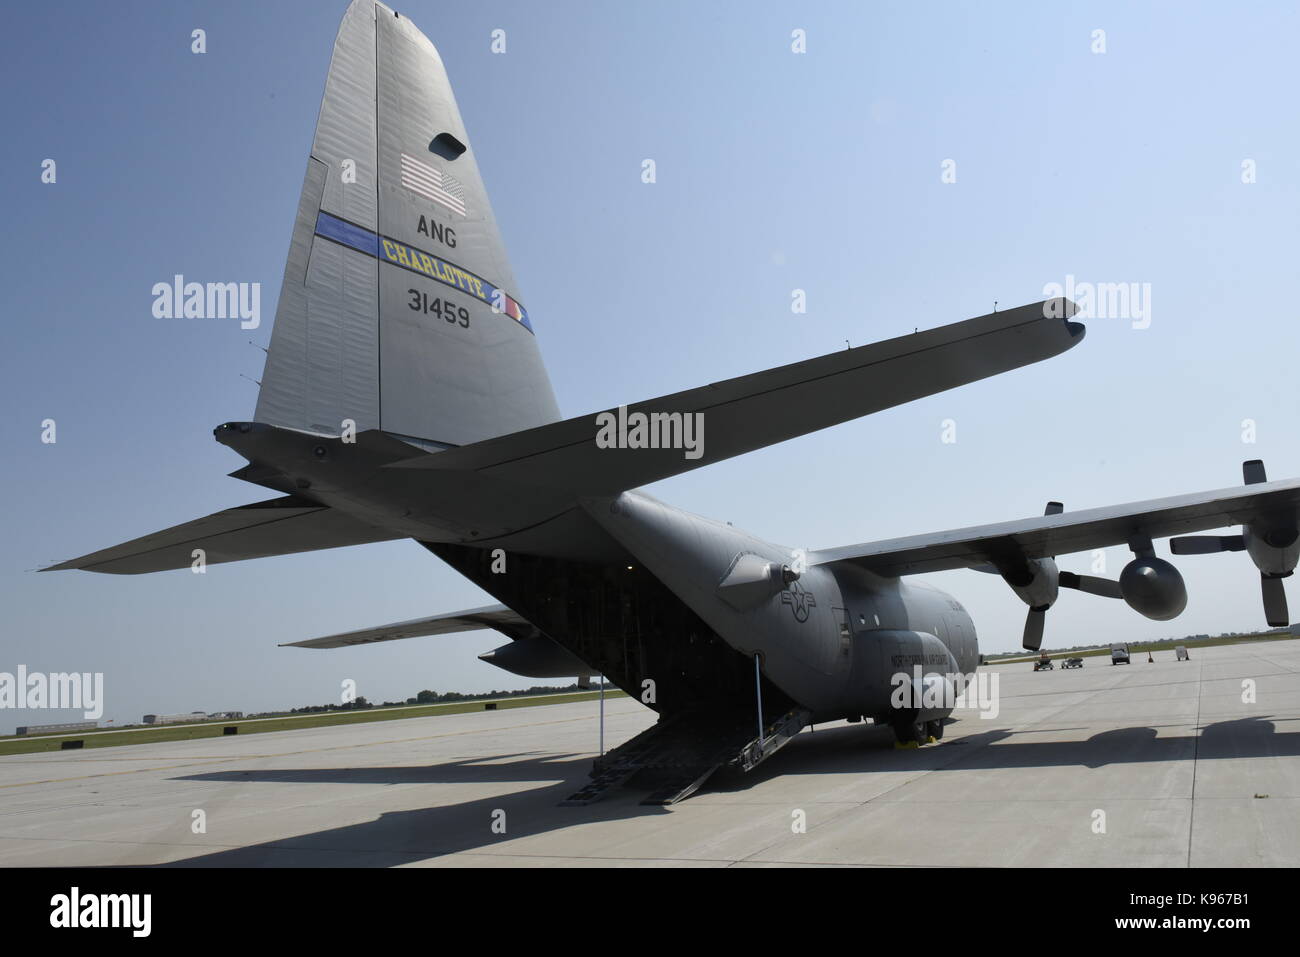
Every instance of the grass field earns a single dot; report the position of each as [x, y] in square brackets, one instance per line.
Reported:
[1136, 648]
[111, 738]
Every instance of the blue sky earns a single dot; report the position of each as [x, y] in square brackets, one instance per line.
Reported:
[776, 171]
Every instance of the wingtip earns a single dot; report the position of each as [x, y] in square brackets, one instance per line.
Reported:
[1065, 309]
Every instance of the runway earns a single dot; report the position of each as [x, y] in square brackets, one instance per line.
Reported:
[1158, 764]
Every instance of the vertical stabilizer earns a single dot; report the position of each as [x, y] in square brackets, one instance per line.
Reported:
[399, 309]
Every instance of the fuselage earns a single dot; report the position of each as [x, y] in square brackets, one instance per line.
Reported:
[673, 607]
[832, 637]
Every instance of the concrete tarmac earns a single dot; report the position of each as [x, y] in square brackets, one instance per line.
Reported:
[1158, 764]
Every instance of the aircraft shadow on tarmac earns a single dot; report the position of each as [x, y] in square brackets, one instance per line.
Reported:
[503, 768]
[399, 837]
[844, 749]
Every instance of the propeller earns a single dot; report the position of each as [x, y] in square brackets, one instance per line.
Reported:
[1252, 472]
[1101, 587]
[1032, 639]
[1207, 544]
[1271, 547]
[1036, 582]
[1275, 609]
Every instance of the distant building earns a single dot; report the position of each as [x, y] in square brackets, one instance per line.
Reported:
[176, 718]
[191, 717]
[57, 728]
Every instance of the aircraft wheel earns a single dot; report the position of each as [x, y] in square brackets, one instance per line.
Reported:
[909, 733]
[935, 729]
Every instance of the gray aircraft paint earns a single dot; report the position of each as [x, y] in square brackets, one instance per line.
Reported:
[323, 363]
[806, 656]
[347, 345]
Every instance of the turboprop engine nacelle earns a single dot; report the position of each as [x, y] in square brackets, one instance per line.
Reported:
[1274, 551]
[1154, 588]
[1038, 581]
[1037, 584]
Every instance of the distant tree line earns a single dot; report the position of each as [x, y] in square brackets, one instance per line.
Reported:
[447, 697]
[993, 656]
[423, 697]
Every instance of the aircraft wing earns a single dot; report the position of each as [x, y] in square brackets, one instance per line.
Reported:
[753, 411]
[280, 526]
[497, 617]
[1062, 534]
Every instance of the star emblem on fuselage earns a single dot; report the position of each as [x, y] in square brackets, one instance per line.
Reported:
[799, 600]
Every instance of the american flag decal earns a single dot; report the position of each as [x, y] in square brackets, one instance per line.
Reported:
[428, 182]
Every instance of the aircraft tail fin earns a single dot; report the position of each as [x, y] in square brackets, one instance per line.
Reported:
[398, 310]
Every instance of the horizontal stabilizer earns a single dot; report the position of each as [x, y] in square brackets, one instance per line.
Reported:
[280, 526]
[753, 411]
[497, 617]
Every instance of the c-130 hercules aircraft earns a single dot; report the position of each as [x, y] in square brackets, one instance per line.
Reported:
[404, 396]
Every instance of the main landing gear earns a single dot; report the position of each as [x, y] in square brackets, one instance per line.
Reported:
[909, 734]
